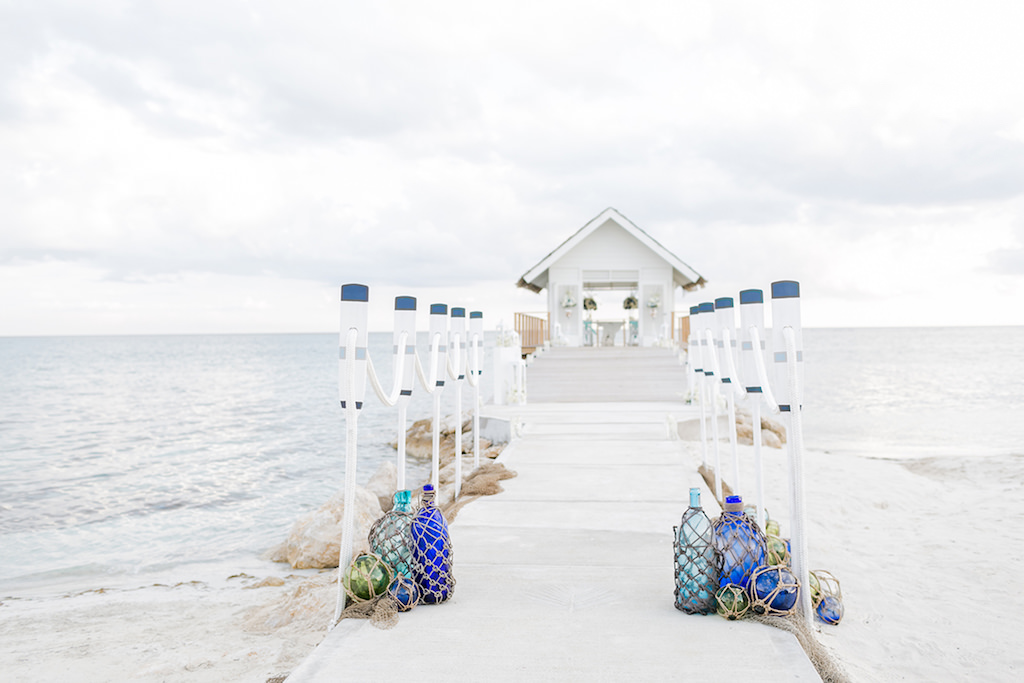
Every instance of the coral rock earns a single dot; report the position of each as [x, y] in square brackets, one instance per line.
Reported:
[315, 540]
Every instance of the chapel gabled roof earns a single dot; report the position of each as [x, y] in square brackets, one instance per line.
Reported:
[535, 278]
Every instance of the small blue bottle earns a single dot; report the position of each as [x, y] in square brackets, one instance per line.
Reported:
[696, 563]
[432, 552]
[739, 541]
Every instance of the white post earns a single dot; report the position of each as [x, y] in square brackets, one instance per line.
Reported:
[696, 360]
[352, 389]
[457, 372]
[787, 334]
[405, 321]
[752, 316]
[725, 321]
[476, 336]
[711, 370]
[438, 338]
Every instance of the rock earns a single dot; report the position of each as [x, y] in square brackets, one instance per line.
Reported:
[315, 540]
[776, 428]
[446, 474]
[744, 432]
[383, 483]
[269, 581]
[418, 439]
[770, 439]
[483, 481]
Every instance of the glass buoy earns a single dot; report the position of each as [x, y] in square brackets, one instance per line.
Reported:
[740, 543]
[432, 551]
[366, 578]
[696, 563]
[391, 535]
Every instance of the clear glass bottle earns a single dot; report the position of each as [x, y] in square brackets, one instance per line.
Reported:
[739, 542]
[696, 562]
[391, 535]
[432, 551]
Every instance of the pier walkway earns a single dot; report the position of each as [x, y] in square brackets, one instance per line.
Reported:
[567, 574]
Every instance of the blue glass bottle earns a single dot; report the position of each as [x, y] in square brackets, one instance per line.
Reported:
[432, 551]
[739, 541]
[696, 563]
[391, 536]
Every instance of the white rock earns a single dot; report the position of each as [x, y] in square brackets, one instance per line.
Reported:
[315, 540]
[382, 484]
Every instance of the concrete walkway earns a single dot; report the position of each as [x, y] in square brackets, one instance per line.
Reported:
[567, 575]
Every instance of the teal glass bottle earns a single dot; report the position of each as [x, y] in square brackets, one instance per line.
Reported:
[696, 562]
[432, 551]
[391, 536]
[739, 542]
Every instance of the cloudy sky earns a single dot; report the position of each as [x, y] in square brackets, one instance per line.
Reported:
[223, 166]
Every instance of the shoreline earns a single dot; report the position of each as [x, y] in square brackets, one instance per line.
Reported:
[925, 570]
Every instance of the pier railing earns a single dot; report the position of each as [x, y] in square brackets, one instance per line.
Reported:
[533, 330]
[724, 360]
[680, 329]
[456, 357]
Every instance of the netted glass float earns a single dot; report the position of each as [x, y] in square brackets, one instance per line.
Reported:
[391, 536]
[739, 542]
[696, 563]
[773, 590]
[731, 602]
[366, 578]
[404, 591]
[432, 551]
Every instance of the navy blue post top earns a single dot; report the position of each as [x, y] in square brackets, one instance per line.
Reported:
[786, 289]
[354, 292]
[751, 296]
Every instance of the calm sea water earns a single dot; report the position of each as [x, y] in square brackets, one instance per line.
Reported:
[132, 454]
[128, 454]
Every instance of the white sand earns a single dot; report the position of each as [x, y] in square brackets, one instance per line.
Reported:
[928, 553]
[195, 631]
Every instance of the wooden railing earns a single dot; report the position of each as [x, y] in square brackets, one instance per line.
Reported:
[680, 329]
[533, 331]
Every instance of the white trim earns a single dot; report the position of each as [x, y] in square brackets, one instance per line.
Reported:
[684, 270]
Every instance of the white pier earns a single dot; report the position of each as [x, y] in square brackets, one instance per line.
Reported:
[567, 574]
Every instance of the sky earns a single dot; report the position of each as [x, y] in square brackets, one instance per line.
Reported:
[224, 166]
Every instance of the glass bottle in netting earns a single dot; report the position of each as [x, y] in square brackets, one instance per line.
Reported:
[696, 562]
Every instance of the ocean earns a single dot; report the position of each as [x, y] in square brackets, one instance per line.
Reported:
[133, 454]
[123, 456]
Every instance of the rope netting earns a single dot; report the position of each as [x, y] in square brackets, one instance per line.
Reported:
[382, 612]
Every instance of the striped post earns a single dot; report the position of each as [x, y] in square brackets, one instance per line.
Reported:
[708, 336]
[787, 342]
[696, 363]
[438, 340]
[457, 372]
[405, 321]
[476, 359]
[352, 390]
[725, 321]
[751, 326]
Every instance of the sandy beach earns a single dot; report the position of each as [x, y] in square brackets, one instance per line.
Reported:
[926, 557]
[923, 550]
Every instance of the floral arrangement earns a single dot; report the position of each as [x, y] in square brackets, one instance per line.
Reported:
[589, 304]
[568, 301]
[630, 303]
[654, 301]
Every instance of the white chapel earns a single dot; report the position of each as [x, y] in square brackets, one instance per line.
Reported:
[610, 254]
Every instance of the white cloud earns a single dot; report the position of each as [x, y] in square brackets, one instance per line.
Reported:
[272, 152]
